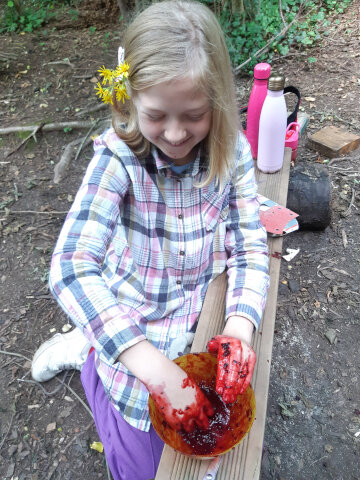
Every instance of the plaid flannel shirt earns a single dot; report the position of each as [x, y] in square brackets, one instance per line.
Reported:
[140, 246]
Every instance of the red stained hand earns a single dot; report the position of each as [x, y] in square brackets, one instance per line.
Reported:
[236, 362]
[196, 408]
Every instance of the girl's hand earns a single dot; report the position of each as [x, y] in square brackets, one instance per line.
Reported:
[181, 401]
[236, 362]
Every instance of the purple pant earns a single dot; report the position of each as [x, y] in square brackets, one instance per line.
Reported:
[131, 453]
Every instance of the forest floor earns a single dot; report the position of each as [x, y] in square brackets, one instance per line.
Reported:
[313, 421]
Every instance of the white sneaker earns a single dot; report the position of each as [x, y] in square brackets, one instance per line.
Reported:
[63, 351]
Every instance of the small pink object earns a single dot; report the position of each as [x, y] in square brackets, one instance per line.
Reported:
[257, 97]
[275, 220]
[292, 138]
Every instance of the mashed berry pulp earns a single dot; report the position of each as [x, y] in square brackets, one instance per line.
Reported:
[204, 442]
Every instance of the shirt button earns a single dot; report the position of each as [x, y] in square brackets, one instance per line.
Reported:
[182, 252]
[180, 216]
[178, 282]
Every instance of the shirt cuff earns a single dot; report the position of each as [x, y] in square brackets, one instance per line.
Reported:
[251, 306]
[114, 336]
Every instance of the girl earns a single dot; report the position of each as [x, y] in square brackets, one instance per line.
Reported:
[168, 203]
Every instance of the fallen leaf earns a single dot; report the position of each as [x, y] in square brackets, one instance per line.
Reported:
[23, 72]
[51, 427]
[344, 238]
[331, 335]
[98, 446]
[285, 412]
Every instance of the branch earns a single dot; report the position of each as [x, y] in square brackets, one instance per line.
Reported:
[281, 14]
[32, 134]
[67, 156]
[65, 160]
[48, 127]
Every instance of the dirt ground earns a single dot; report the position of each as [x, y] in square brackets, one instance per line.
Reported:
[313, 421]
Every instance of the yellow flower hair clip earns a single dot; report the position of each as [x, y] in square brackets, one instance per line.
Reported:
[113, 81]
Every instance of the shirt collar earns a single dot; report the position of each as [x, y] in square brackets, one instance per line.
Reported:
[164, 167]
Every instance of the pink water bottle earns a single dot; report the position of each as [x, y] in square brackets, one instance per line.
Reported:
[256, 100]
[272, 127]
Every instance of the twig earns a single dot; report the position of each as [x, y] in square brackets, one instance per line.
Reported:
[76, 436]
[46, 392]
[8, 56]
[108, 470]
[35, 212]
[347, 172]
[32, 134]
[346, 213]
[96, 108]
[320, 269]
[281, 14]
[339, 159]
[49, 127]
[291, 54]
[13, 354]
[66, 157]
[66, 61]
[353, 124]
[8, 431]
[334, 115]
[318, 460]
[85, 138]
[78, 398]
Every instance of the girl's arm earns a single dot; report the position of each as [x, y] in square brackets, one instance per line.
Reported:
[75, 278]
[239, 327]
[246, 244]
[178, 397]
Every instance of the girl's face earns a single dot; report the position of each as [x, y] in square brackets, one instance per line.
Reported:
[174, 116]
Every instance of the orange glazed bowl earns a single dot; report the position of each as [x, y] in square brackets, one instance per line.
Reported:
[229, 424]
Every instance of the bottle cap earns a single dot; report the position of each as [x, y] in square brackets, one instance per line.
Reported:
[276, 82]
[262, 71]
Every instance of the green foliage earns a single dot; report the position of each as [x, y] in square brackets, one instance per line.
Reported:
[22, 17]
[27, 15]
[249, 30]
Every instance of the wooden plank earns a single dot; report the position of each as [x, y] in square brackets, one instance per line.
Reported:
[333, 141]
[244, 461]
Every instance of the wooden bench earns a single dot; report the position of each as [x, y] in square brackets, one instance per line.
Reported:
[244, 461]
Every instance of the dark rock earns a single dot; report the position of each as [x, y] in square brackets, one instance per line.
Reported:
[294, 286]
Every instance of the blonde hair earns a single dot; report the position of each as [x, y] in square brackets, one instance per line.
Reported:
[171, 40]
